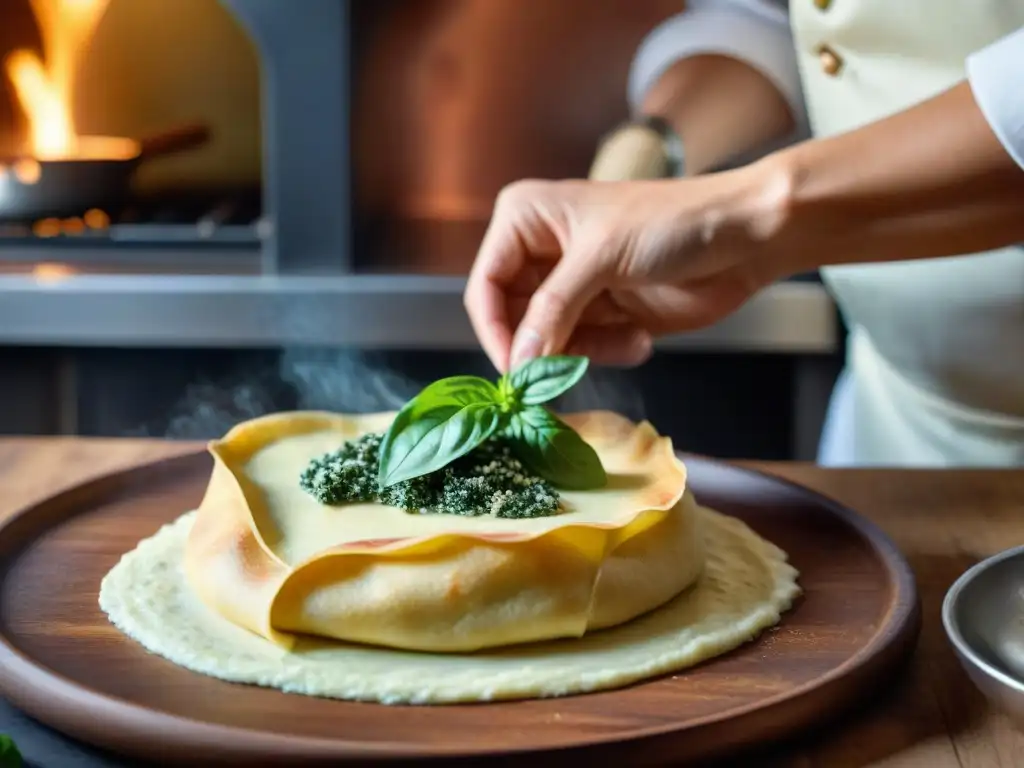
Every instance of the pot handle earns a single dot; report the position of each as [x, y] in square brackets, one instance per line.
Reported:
[177, 140]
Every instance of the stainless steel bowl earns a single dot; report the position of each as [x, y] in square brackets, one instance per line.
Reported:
[983, 614]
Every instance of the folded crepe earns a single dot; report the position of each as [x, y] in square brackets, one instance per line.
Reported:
[270, 558]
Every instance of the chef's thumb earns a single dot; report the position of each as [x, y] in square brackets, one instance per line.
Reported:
[555, 309]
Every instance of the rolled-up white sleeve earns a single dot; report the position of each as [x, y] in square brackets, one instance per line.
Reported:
[753, 31]
[996, 75]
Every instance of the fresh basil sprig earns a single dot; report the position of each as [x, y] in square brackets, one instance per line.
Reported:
[453, 416]
[10, 757]
[554, 450]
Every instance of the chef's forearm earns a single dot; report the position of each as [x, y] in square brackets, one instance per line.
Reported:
[931, 181]
[721, 107]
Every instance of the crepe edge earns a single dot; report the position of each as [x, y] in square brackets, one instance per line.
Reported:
[596, 427]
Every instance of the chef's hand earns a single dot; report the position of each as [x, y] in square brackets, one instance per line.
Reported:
[600, 269]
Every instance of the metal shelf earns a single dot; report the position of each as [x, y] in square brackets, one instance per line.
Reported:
[366, 311]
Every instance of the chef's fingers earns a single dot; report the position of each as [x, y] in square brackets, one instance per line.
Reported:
[497, 265]
[601, 311]
[485, 303]
[623, 345]
[556, 307]
[518, 231]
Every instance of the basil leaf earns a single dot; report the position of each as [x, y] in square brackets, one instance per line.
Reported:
[429, 434]
[554, 450]
[464, 389]
[10, 757]
[545, 378]
[444, 393]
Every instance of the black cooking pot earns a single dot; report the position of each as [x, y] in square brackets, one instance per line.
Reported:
[36, 189]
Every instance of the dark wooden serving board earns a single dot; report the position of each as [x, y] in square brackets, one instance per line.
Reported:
[63, 663]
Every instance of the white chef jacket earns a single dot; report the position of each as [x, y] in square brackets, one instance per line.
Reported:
[757, 32]
[906, 423]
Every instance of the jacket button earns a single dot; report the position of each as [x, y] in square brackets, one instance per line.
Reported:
[831, 62]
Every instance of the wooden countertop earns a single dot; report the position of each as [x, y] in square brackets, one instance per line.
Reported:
[944, 522]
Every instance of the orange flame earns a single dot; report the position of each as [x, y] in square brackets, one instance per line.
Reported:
[45, 90]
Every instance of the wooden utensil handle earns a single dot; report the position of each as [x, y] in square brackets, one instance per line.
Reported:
[634, 151]
[177, 140]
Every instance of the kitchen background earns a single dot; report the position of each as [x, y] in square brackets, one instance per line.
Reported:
[308, 247]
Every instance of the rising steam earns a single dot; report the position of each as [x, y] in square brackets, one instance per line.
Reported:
[348, 381]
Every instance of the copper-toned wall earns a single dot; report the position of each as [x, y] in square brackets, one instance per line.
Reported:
[456, 98]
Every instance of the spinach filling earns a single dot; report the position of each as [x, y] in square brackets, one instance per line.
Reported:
[488, 480]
